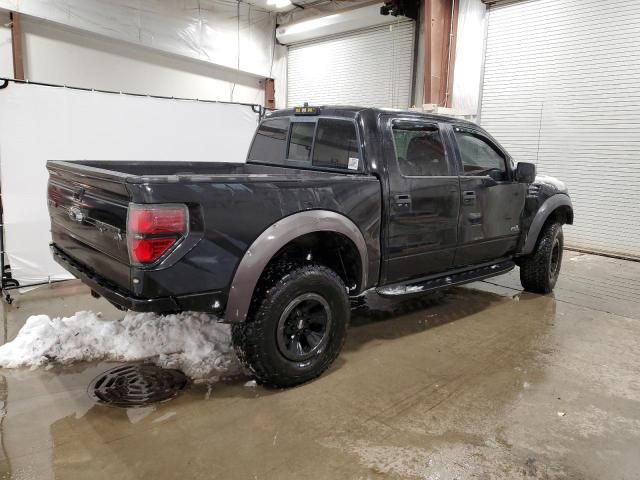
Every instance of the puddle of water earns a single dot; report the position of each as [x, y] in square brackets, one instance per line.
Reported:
[458, 375]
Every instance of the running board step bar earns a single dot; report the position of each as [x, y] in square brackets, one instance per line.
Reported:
[458, 277]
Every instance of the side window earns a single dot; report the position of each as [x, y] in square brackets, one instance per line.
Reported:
[270, 142]
[336, 145]
[480, 158]
[301, 141]
[419, 150]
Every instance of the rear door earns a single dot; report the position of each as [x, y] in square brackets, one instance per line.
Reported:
[424, 199]
[492, 201]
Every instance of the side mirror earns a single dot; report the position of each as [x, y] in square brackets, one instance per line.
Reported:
[526, 172]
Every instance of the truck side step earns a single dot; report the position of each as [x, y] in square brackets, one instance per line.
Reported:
[456, 277]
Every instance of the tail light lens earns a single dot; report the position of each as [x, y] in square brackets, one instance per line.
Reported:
[153, 229]
[148, 250]
[157, 220]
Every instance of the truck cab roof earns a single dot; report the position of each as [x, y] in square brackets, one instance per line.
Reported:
[350, 111]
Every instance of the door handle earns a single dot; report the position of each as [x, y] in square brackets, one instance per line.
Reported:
[469, 197]
[402, 199]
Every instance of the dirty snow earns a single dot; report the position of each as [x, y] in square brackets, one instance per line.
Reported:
[194, 343]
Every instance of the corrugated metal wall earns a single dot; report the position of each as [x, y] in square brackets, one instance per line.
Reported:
[562, 89]
[371, 68]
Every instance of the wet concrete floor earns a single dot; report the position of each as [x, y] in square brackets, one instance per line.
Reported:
[479, 382]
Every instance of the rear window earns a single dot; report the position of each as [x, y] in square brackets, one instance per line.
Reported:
[270, 142]
[301, 141]
[323, 143]
[336, 145]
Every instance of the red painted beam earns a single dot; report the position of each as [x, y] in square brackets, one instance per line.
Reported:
[269, 93]
[441, 18]
[16, 44]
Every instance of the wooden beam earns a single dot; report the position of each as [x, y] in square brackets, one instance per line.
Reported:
[269, 93]
[453, 36]
[440, 29]
[16, 44]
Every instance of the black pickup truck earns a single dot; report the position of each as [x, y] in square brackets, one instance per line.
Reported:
[333, 202]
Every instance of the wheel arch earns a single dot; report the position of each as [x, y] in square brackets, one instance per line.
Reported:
[272, 241]
[558, 207]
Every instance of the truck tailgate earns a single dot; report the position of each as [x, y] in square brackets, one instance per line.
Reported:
[88, 220]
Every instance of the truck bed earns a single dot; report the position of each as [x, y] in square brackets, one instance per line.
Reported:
[229, 205]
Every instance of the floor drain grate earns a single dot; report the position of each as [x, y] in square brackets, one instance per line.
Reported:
[137, 385]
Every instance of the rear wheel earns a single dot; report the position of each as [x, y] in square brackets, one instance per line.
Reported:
[539, 272]
[296, 325]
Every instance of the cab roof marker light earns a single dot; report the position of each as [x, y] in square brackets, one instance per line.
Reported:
[306, 110]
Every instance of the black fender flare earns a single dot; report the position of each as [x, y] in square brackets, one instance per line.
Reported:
[547, 208]
[272, 240]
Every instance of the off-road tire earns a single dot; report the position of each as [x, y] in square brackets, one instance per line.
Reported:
[539, 271]
[256, 339]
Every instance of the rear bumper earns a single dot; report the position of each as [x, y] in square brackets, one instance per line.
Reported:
[210, 302]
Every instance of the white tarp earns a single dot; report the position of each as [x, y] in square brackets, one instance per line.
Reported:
[236, 35]
[39, 123]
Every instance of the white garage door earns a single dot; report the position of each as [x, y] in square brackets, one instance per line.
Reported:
[562, 89]
[371, 68]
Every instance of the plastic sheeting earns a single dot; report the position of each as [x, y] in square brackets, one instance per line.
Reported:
[39, 123]
[469, 56]
[317, 9]
[232, 34]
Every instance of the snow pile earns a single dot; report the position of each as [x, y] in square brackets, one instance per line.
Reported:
[191, 342]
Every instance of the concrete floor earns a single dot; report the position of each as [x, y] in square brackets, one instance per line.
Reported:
[479, 382]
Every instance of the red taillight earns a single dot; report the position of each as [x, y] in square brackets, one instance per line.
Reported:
[157, 220]
[149, 249]
[154, 229]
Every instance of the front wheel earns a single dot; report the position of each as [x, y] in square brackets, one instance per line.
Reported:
[296, 326]
[539, 271]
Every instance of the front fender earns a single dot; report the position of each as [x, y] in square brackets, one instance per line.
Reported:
[272, 240]
[546, 209]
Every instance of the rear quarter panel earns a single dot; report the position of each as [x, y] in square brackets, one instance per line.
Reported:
[236, 210]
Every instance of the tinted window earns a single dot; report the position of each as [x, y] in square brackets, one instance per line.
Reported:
[336, 145]
[419, 150]
[301, 141]
[479, 157]
[269, 144]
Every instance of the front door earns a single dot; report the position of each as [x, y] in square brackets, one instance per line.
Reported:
[423, 201]
[492, 201]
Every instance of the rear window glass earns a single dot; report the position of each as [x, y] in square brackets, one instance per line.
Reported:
[336, 144]
[270, 142]
[322, 143]
[301, 141]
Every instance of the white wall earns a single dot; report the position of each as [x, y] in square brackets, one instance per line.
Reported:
[57, 54]
[279, 74]
[6, 57]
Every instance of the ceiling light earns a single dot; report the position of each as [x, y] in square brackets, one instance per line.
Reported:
[279, 3]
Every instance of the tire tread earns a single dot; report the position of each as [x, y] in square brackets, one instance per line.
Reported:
[534, 269]
[247, 335]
